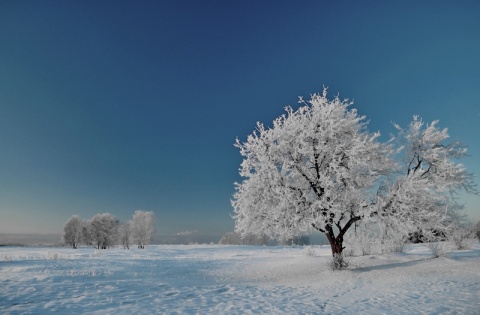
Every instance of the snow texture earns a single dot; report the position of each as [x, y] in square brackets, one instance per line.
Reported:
[215, 279]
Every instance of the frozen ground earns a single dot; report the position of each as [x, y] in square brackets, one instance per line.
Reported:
[215, 279]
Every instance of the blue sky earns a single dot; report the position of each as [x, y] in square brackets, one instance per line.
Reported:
[113, 106]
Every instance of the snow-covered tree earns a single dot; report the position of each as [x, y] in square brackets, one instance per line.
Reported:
[462, 235]
[315, 166]
[102, 230]
[87, 236]
[230, 238]
[124, 234]
[422, 197]
[233, 238]
[143, 227]
[72, 231]
[476, 229]
[319, 166]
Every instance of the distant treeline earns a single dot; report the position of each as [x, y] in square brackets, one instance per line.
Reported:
[104, 230]
[233, 238]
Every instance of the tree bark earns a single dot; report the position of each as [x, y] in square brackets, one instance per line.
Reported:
[336, 243]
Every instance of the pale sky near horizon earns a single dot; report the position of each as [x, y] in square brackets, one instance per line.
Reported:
[114, 106]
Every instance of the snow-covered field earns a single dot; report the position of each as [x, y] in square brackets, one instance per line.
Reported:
[214, 279]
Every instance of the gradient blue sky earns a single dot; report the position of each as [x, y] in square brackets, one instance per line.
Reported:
[113, 106]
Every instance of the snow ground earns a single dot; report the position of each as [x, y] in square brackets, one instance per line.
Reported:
[214, 279]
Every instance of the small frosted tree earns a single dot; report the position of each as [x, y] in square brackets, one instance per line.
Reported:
[233, 238]
[462, 235]
[422, 197]
[476, 229]
[315, 167]
[143, 227]
[124, 234]
[103, 230]
[87, 236]
[72, 231]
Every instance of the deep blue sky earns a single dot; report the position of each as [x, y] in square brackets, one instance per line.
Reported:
[113, 106]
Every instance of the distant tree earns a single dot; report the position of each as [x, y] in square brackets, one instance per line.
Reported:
[230, 238]
[476, 229]
[143, 227]
[124, 234]
[72, 231]
[103, 230]
[462, 235]
[254, 239]
[87, 236]
[297, 240]
[233, 238]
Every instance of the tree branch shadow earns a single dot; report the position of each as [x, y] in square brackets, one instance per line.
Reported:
[387, 266]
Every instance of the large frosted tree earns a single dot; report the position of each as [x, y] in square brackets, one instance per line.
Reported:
[316, 166]
[319, 166]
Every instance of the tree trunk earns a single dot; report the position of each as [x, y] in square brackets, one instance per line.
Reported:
[336, 243]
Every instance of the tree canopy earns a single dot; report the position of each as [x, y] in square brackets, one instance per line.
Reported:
[319, 166]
